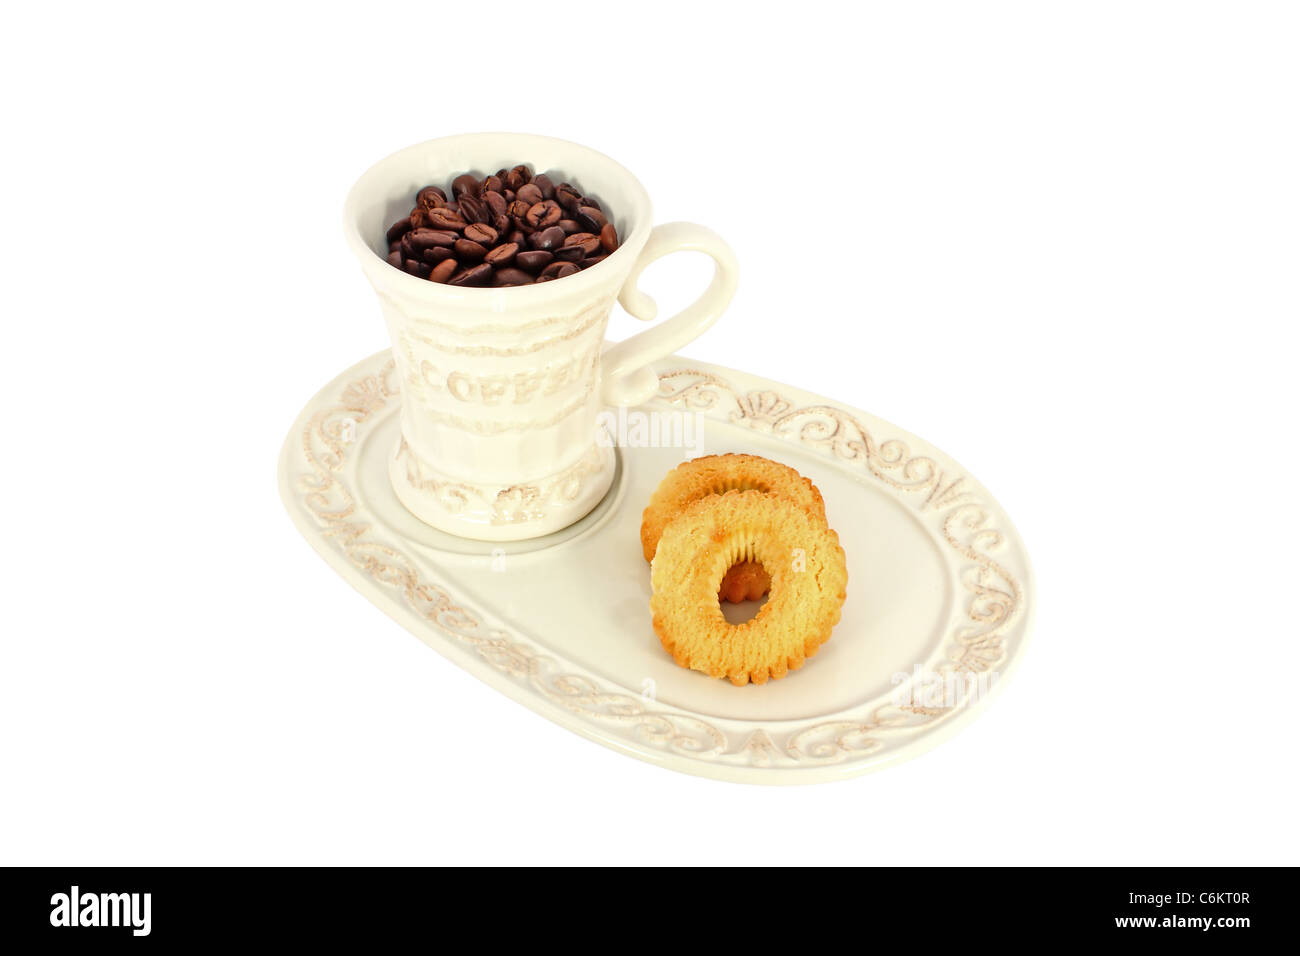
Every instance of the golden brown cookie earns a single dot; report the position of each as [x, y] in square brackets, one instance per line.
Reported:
[803, 557]
[714, 475]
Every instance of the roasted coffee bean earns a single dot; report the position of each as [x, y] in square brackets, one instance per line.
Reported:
[444, 270]
[529, 193]
[501, 255]
[568, 197]
[418, 269]
[509, 228]
[423, 238]
[474, 210]
[557, 270]
[548, 240]
[481, 232]
[586, 240]
[469, 253]
[431, 197]
[609, 237]
[543, 214]
[496, 203]
[590, 218]
[399, 229]
[445, 218]
[509, 277]
[477, 275]
[534, 261]
[466, 184]
[436, 254]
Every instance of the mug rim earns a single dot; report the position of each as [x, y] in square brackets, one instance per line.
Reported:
[371, 181]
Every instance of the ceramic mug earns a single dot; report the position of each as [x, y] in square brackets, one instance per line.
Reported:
[501, 388]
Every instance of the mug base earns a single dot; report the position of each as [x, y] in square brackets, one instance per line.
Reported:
[496, 512]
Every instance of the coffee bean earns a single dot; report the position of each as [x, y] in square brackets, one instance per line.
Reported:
[609, 237]
[436, 254]
[398, 229]
[510, 277]
[476, 276]
[543, 214]
[548, 240]
[585, 240]
[423, 238]
[445, 218]
[529, 193]
[496, 203]
[568, 197]
[469, 253]
[533, 261]
[590, 218]
[569, 253]
[543, 182]
[474, 210]
[514, 179]
[592, 260]
[501, 255]
[419, 269]
[481, 232]
[431, 197]
[395, 259]
[525, 174]
[466, 184]
[416, 218]
[491, 184]
[569, 226]
[517, 236]
[518, 209]
[444, 270]
[557, 270]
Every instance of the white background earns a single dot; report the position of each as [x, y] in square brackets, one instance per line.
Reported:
[1058, 240]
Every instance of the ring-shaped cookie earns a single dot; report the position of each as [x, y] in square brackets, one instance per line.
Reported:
[809, 578]
[715, 475]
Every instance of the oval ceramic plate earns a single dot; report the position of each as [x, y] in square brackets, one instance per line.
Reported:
[938, 610]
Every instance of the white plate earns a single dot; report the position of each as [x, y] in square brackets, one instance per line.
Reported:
[939, 584]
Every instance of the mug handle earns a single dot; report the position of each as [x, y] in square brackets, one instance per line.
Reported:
[627, 379]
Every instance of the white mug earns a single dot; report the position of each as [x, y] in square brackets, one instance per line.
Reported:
[501, 387]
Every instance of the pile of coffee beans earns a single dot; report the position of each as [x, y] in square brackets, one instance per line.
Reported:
[510, 228]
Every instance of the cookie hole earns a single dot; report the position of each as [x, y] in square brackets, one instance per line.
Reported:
[742, 612]
[743, 590]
